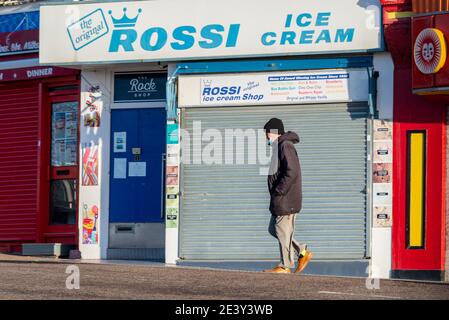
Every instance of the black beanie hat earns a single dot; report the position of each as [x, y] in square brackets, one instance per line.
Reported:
[274, 124]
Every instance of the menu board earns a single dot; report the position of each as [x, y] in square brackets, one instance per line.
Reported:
[64, 133]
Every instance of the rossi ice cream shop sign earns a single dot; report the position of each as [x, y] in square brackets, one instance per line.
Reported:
[167, 30]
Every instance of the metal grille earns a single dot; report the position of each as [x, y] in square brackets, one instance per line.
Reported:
[224, 208]
[19, 125]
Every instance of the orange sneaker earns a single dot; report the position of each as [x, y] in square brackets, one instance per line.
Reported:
[303, 261]
[278, 269]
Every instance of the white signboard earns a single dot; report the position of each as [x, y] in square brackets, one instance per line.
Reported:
[295, 87]
[194, 29]
[119, 168]
[382, 194]
[137, 169]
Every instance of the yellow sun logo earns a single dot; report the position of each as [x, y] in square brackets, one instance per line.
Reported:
[430, 51]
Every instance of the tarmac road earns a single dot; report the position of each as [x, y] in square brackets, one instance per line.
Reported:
[47, 280]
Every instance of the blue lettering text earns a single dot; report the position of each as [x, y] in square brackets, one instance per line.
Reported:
[184, 35]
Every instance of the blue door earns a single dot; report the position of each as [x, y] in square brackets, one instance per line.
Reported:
[137, 165]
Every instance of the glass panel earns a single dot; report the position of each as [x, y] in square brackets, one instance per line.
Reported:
[63, 202]
[64, 142]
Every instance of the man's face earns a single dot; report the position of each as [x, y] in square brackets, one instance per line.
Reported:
[271, 136]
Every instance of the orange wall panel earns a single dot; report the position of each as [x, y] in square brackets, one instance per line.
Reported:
[426, 6]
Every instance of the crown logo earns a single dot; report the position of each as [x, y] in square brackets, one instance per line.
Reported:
[125, 22]
[207, 83]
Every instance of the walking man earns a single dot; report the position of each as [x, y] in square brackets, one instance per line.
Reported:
[285, 187]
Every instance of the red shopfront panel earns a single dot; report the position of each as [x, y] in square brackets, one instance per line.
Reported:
[420, 80]
[417, 114]
[19, 132]
[442, 24]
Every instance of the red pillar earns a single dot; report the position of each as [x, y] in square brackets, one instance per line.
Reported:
[413, 112]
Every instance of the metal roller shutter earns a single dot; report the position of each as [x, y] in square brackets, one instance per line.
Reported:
[19, 125]
[224, 208]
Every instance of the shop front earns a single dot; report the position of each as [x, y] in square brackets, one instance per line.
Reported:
[38, 137]
[180, 103]
[223, 183]
[430, 80]
[420, 104]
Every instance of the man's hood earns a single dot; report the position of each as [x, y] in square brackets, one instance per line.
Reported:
[289, 136]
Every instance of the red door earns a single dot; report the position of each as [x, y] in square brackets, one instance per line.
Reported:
[60, 220]
[419, 184]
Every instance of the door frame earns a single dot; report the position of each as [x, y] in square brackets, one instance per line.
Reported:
[47, 233]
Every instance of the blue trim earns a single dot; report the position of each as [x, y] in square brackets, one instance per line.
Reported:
[303, 55]
[275, 65]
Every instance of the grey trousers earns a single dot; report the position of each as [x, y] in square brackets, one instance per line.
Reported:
[283, 229]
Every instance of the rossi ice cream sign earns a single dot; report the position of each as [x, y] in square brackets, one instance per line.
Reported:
[295, 87]
[164, 30]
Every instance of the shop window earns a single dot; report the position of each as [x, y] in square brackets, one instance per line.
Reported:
[64, 134]
[64, 158]
[416, 187]
[63, 202]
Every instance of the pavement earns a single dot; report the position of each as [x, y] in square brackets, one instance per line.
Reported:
[45, 278]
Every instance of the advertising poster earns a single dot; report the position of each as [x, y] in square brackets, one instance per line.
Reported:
[64, 152]
[120, 168]
[382, 194]
[91, 109]
[383, 152]
[172, 176]
[173, 155]
[173, 203]
[382, 172]
[90, 224]
[71, 125]
[382, 216]
[172, 133]
[58, 153]
[276, 88]
[383, 130]
[92, 119]
[59, 125]
[90, 165]
[64, 134]
[137, 169]
[71, 148]
[173, 189]
[171, 217]
[119, 142]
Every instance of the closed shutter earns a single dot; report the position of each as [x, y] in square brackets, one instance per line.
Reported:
[19, 125]
[224, 208]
